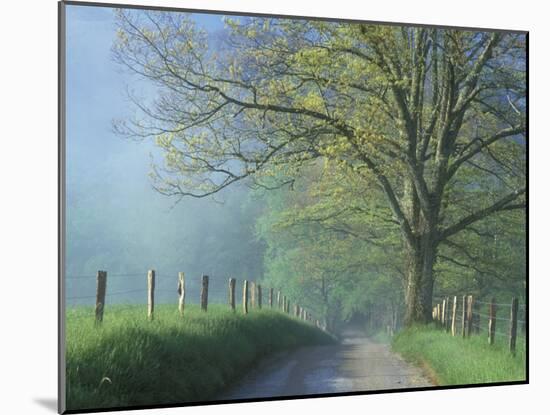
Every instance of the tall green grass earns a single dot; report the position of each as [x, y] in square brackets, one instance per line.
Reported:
[129, 360]
[458, 361]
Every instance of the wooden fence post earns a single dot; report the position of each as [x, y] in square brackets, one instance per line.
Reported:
[204, 293]
[278, 300]
[252, 294]
[445, 307]
[444, 314]
[463, 316]
[296, 308]
[100, 296]
[245, 296]
[151, 294]
[492, 320]
[453, 318]
[181, 292]
[259, 300]
[284, 303]
[271, 298]
[470, 315]
[513, 325]
[438, 318]
[232, 283]
[447, 314]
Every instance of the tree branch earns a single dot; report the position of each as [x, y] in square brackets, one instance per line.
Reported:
[507, 132]
[502, 204]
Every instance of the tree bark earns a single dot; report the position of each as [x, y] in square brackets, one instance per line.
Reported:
[420, 260]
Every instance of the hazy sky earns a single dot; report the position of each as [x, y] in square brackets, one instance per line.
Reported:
[95, 96]
[115, 220]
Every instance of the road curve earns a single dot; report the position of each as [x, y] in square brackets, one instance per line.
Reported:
[355, 364]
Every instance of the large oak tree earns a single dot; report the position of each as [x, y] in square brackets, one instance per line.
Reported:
[433, 118]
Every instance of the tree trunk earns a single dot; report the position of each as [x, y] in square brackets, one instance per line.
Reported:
[420, 259]
[420, 253]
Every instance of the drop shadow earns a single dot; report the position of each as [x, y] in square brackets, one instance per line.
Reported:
[48, 403]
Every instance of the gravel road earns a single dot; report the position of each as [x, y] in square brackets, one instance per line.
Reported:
[355, 364]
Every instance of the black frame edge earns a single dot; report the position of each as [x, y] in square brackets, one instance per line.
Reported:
[294, 397]
[61, 108]
[282, 16]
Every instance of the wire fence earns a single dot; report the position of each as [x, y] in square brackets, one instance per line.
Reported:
[463, 316]
[163, 288]
[81, 289]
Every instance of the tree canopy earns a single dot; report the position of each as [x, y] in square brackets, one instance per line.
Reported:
[413, 137]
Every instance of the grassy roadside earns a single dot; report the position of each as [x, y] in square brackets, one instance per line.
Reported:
[458, 361]
[131, 361]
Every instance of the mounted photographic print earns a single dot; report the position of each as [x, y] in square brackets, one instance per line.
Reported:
[258, 207]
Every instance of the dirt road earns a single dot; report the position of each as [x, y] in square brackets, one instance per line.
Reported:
[356, 364]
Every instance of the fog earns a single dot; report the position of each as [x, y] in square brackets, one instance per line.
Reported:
[115, 220]
[340, 254]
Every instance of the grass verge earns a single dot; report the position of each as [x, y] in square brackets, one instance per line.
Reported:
[458, 361]
[131, 361]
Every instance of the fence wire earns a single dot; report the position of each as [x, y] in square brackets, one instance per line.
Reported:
[132, 289]
[480, 320]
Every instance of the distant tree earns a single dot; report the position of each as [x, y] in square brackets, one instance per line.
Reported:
[433, 118]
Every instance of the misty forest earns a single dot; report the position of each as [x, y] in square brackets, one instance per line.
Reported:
[367, 171]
